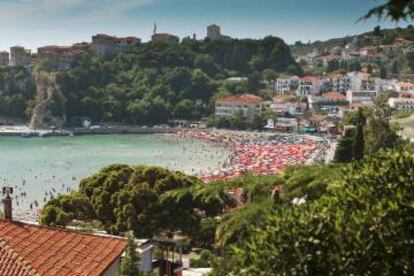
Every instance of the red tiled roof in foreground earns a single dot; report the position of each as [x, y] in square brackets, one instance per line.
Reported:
[246, 98]
[11, 264]
[48, 251]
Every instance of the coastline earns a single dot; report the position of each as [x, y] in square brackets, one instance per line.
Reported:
[24, 131]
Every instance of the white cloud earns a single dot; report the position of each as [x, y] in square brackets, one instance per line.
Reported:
[22, 10]
[33, 23]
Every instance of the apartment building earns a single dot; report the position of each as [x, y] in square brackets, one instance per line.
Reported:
[104, 45]
[61, 57]
[308, 86]
[249, 104]
[402, 103]
[19, 56]
[336, 83]
[285, 85]
[404, 88]
[358, 96]
[328, 102]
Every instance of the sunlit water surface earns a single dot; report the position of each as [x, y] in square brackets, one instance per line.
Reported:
[41, 166]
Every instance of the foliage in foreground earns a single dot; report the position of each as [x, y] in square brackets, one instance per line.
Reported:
[365, 226]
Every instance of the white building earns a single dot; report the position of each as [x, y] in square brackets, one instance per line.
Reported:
[308, 86]
[336, 83]
[364, 82]
[249, 105]
[329, 102]
[404, 88]
[284, 85]
[300, 86]
[402, 103]
[365, 97]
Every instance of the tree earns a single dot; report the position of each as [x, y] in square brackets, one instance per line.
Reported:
[206, 259]
[125, 198]
[395, 9]
[395, 69]
[360, 227]
[130, 263]
[344, 150]
[383, 72]
[358, 143]
[377, 31]
[257, 123]
[369, 68]
[379, 133]
[410, 60]
[269, 75]
[238, 120]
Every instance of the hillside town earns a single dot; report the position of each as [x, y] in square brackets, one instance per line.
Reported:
[314, 103]
[103, 45]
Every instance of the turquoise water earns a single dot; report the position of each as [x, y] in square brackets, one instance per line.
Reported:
[40, 167]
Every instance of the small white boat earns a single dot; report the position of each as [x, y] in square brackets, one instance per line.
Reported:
[26, 134]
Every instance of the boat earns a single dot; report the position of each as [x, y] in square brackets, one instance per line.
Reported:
[44, 134]
[26, 134]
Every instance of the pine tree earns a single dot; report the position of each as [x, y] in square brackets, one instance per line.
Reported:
[129, 266]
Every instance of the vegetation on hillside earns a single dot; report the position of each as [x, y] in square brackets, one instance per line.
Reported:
[17, 93]
[154, 82]
[157, 82]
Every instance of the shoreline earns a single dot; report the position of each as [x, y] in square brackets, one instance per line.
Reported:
[24, 131]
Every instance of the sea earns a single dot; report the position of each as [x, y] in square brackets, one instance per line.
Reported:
[39, 168]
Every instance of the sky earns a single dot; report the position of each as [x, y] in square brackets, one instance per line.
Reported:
[34, 23]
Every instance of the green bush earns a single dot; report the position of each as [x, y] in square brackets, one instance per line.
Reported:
[363, 227]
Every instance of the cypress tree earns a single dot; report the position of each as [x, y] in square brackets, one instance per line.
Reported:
[129, 266]
[358, 143]
[344, 151]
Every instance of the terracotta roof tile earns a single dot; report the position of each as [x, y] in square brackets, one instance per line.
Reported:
[49, 251]
[334, 96]
[246, 98]
[11, 264]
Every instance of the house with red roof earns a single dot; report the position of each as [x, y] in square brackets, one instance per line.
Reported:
[249, 105]
[329, 102]
[29, 249]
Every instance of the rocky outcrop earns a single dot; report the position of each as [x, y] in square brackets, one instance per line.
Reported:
[50, 108]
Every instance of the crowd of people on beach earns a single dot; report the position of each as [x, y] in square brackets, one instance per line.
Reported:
[256, 153]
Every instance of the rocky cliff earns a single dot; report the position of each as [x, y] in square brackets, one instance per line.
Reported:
[50, 108]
